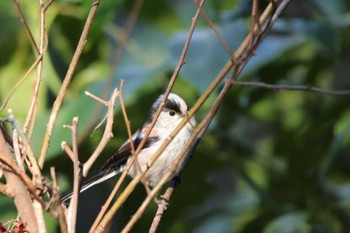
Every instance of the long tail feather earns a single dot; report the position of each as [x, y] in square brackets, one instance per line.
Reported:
[96, 179]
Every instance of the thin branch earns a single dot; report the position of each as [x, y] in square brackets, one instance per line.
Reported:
[74, 156]
[161, 209]
[38, 59]
[282, 87]
[48, 5]
[30, 159]
[107, 134]
[24, 21]
[66, 81]
[17, 150]
[30, 119]
[283, 5]
[67, 149]
[56, 200]
[105, 103]
[212, 26]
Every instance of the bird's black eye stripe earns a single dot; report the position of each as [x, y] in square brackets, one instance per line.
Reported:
[172, 105]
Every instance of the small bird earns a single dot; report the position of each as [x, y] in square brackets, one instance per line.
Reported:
[174, 110]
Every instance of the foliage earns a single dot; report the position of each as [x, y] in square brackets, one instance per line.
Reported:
[272, 161]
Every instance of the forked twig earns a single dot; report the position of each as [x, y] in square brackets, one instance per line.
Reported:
[74, 156]
[107, 134]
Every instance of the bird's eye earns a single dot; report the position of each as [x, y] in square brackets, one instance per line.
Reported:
[172, 113]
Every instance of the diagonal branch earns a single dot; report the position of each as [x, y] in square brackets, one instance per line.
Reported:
[66, 81]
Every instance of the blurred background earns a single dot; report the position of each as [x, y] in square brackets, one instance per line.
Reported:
[271, 161]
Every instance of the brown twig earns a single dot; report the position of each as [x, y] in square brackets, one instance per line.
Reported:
[161, 209]
[107, 134]
[281, 87]
[25, 76]
[66, 81]
[56, 200]
[74, 156]
[17, 150]
[212, 26]
[29, 158]
[34, 106]
[24, 21]
[48, 5]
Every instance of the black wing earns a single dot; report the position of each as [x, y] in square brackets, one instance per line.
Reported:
[121, 157]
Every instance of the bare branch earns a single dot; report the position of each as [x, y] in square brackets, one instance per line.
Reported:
[282, 87]
[17, 151]
[212, 26]
[56, 200]
[67, 149]
[29, 158]
[24, 21]
[105, 103]
[107, 134]
[74, 156]
[48, 5]
[66, 81]
[30, 119]
[38, 59]
[161, 209]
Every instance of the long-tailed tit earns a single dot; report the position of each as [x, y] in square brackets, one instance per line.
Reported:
[174, 110]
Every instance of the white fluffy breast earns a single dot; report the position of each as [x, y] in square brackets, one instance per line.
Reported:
[165, 161]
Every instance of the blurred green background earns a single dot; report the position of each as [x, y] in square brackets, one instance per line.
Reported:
[271, 161]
